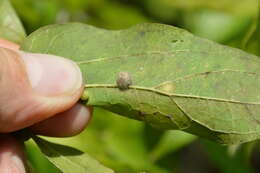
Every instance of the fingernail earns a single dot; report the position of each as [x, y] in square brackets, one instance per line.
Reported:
[52, 75]
[17, 164]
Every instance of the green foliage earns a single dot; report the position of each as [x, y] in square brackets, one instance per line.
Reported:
[38, 162]
[68, 159]
[253, 44]
[216, 25]
[10, 26]
[127, 150]
[227, 161]
[108, 132]
[171, 141]
[129, 146]
[102, 13]
[200, 86]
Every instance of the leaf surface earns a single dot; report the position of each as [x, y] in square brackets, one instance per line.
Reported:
[10, 25]
[179, 81]
[68, 159]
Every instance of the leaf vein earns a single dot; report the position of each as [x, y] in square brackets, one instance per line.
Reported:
[131, 55]
[135, 87]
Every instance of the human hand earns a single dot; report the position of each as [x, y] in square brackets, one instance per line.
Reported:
[40, 92]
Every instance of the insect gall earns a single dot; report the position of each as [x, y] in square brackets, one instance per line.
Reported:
[124, 80]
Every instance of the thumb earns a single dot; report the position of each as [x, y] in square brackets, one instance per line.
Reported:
[34, 87]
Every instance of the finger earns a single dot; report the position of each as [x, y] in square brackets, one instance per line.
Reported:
[8, 44]
[34, 87]
[68, 123]
[12, 157]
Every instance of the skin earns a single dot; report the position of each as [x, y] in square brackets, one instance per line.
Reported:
[48, 107]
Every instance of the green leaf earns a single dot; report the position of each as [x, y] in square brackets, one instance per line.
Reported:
[39, 163]
[171, 142]
[122, 149]
[226, 163]
[179, 81]
[167, 10]
[10, 26]
[216, 25]
[68, 159]
[253, 42]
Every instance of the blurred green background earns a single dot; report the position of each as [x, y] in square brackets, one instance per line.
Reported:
[129, 146]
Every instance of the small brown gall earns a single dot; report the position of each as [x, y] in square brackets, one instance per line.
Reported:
[123, 80]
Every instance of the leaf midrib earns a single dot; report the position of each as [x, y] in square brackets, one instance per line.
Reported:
[156, 91]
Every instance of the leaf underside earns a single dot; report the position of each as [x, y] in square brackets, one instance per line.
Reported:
[179, 81]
